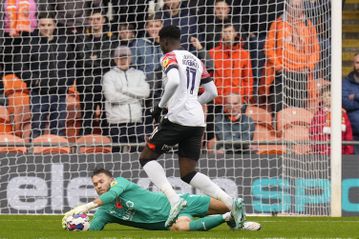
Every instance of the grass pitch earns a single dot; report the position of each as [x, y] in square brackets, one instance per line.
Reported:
[19, 226]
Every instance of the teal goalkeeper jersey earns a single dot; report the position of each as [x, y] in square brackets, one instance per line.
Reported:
[127, 203]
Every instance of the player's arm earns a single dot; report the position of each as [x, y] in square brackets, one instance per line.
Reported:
[210, 92]
[99, 221]
[105, 198]
[171, 86]
[170, 66]
[210, 89]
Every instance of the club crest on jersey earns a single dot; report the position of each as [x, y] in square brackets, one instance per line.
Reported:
[165, 63]
[113, 183]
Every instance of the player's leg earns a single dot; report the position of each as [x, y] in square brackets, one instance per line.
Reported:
[217, 207]
[163, 136]
[189, 153]
[185, 223]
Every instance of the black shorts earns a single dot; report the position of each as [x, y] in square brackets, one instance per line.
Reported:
[168, 134]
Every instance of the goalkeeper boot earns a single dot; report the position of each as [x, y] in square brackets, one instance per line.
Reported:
[175, 210]
[232, 224]
[238, 213]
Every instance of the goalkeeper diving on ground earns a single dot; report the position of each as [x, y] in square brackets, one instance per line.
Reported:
[123, 202]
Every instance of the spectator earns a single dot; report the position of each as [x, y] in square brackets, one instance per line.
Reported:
[317, 12]
[126, 35]
[20, 21]
[351, 98]
[234, 125]
[147, 56]
[48, 72]
[211, 24]
[173, 13]
[256, 18]
[70, 15]
[292, 52]
[202, 54]
[131, 11]
[94, 52]
[124, 89]
[233, 68]
[320, 126]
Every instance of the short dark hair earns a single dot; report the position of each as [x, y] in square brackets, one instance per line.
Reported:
[96, 10]
[170, 32]
[97, 171]
[226, 25]
[154, 18]
[127, 26]
[46, 15]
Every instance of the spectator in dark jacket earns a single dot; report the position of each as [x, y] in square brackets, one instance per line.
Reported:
[126, 37]
[212, 23]
[48, 72]
[234, 125]
[70, 14]
[93, 54]
[175, 14]
[351, 98]
[147, 55]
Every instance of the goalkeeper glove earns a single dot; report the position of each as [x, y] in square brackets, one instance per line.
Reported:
[156, 113]
[78, 210]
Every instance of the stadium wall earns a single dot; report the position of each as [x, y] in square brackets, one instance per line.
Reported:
[54, 184]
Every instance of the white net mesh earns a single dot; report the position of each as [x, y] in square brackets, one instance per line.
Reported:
[268, 131]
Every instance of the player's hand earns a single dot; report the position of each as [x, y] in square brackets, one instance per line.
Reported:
[156, 113]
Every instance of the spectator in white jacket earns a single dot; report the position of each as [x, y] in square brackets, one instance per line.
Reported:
[125, 88]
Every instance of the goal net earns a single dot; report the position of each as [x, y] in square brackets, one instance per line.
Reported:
[79, 80]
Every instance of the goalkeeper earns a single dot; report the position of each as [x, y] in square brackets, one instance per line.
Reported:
[123, 202]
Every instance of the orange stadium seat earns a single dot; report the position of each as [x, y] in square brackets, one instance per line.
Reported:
[293, 116]
[94, 139]
[14, 84]
[49, 138]
[9, 138]
[260, 116]
[262, 133]
[297, 133]
[5, 124]
[19, 108]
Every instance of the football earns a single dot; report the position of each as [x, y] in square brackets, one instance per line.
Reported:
[77, 222]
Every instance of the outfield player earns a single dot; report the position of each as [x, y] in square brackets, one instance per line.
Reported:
[123, 202]
[184, 125]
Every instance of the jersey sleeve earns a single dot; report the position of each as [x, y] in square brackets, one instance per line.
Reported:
[100, 219]
[118, 186]
[205, 77]
[168, 62]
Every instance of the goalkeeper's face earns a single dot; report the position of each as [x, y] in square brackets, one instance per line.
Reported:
[101, 183]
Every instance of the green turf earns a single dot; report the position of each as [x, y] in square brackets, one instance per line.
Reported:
[272, 227]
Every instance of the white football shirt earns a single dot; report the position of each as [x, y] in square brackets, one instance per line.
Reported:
[183, 107]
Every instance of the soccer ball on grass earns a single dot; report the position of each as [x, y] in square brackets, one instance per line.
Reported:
[77, 222]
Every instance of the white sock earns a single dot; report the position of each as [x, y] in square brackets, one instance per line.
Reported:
[157, 175]
[205, 184]
[227, 216]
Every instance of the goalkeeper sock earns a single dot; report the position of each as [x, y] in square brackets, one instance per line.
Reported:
[206, 223]
[205, 184]
[157, 175]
